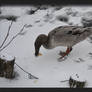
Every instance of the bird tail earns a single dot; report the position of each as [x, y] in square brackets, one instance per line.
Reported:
[86, 33]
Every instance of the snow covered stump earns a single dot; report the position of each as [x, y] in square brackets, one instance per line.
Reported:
[76, 81]
[6, 65]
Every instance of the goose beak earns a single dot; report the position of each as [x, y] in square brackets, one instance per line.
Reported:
[39, 54]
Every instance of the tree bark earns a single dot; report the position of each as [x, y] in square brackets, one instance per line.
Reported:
[7, 68]
[76, 83]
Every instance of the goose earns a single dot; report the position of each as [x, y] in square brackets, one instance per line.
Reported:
[67, 36]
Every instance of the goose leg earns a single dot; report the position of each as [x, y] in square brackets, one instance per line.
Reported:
[63, 54]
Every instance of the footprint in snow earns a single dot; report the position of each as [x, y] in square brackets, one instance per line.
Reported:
[79, 60]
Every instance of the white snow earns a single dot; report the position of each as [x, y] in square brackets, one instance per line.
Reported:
[6, 57]
[46, 67]
[79, 77]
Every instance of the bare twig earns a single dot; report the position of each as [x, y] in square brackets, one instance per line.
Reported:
[64, 81]
[6, 35]
[13, 38]
[29, 74]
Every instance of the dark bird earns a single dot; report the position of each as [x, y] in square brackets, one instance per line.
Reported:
[62, 36]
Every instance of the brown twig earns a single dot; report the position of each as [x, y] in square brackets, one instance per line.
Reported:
[29, 74]
[13, 38]
[3, 47]
[64, 81]
[6, 35]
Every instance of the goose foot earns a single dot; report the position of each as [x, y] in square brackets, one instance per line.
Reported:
[63, 59]
[63, 54]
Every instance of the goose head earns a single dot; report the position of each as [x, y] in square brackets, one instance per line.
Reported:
[40, 40]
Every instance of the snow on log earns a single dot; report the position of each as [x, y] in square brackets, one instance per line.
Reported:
[77, 81]
[6, 65]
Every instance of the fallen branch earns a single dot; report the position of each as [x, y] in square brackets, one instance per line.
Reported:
[64, 81]
[13, 38]
[6, 35]
[3, 47]
[29, 74]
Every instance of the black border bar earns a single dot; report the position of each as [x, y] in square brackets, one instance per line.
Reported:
[45, 90]
[48, 2]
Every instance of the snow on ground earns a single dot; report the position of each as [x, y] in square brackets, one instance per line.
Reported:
[46, 67]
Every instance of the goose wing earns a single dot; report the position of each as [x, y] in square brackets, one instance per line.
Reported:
[67, 31]
[68, 35]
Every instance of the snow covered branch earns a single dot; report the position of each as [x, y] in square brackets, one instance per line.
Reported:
[2, 46]
[29, 74]
[6, 35]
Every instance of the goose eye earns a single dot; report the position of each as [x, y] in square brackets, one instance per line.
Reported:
[69, 32]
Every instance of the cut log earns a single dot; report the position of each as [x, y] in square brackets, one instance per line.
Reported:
[2, 67]
[6, 65]
[76, 82]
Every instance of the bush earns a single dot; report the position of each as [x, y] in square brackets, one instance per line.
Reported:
[0, 12]
[63, 18]
[33, 10]
[11, 18]
[86, 22]
[58, 8]
[43, 7]
[71, 12]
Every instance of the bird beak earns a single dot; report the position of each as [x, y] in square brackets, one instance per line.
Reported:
[39, 54]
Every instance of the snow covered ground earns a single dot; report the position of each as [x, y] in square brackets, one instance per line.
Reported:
[46, 67]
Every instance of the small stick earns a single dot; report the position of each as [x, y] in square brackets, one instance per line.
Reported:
[13, 38]
[7, 34]
[29, 74]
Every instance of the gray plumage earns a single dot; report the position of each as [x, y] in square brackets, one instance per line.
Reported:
[62, 36]
[67, 36]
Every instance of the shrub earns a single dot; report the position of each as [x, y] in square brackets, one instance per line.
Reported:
[63, 18]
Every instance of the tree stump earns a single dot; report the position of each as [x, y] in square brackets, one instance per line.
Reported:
[2, 67]
[76, 82]
[6, 65]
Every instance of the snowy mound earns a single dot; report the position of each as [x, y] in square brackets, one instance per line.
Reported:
[6, 57]
[78, 77]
